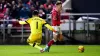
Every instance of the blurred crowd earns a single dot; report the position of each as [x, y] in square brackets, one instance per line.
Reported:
[20, 9]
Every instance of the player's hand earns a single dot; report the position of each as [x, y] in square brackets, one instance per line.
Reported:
[55, 31]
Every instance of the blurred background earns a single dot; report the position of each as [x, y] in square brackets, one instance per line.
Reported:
[81, 16]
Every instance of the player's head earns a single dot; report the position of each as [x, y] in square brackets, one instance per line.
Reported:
[35, 13]
[59, 5]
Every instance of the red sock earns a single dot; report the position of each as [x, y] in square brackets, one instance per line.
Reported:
[50, 42]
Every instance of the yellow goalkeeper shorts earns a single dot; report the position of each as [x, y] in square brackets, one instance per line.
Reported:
[35, 38]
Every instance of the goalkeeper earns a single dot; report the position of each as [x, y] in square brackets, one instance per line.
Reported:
[36, 24]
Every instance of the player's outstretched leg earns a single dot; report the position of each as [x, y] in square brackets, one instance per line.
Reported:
[47, 48]
[36, 46]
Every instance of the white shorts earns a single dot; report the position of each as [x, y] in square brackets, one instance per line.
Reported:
[57, 28]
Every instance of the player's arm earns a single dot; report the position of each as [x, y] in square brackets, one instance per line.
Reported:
[25, 22]
[49, 27]
[22, 22]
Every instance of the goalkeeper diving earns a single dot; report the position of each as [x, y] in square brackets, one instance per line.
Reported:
[36, 24]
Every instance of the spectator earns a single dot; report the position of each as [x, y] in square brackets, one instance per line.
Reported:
[3, 6]
[0, 8]
[14, 11]
[24, 12]
[30, 3]
[20, 5]
[49, 9]
[9, 6]
[32, 8]
[48, 6]
[37, 5]
[42, 7]
[13, 4]
[42, 14]
[7, 24]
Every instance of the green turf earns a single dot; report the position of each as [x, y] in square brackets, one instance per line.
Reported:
[56, 50]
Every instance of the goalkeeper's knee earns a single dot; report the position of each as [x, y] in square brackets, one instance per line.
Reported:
[31, 43]
[28, 40]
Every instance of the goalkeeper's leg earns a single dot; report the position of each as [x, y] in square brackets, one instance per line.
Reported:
[34, 41]
[37, 46]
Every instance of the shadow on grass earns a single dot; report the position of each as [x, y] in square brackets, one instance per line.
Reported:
[47, 53]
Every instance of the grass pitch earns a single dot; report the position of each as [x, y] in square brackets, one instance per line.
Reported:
[56, 50]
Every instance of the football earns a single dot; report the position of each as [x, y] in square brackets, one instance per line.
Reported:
[81, 49]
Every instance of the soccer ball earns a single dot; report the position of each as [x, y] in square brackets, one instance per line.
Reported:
[81, 49]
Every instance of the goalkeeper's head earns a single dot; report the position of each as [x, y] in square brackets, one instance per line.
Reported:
[35, 13]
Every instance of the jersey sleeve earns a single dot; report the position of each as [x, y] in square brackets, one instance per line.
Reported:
[47, 25]
[43, 21]
[22, 22]
[28, 20]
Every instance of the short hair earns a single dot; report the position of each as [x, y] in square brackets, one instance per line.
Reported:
[58, 2]
[35, 12]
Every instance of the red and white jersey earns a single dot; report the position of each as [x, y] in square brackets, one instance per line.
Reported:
[55, 14]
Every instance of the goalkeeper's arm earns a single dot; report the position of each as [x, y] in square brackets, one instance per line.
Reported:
[22, 22]
[49, 27]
